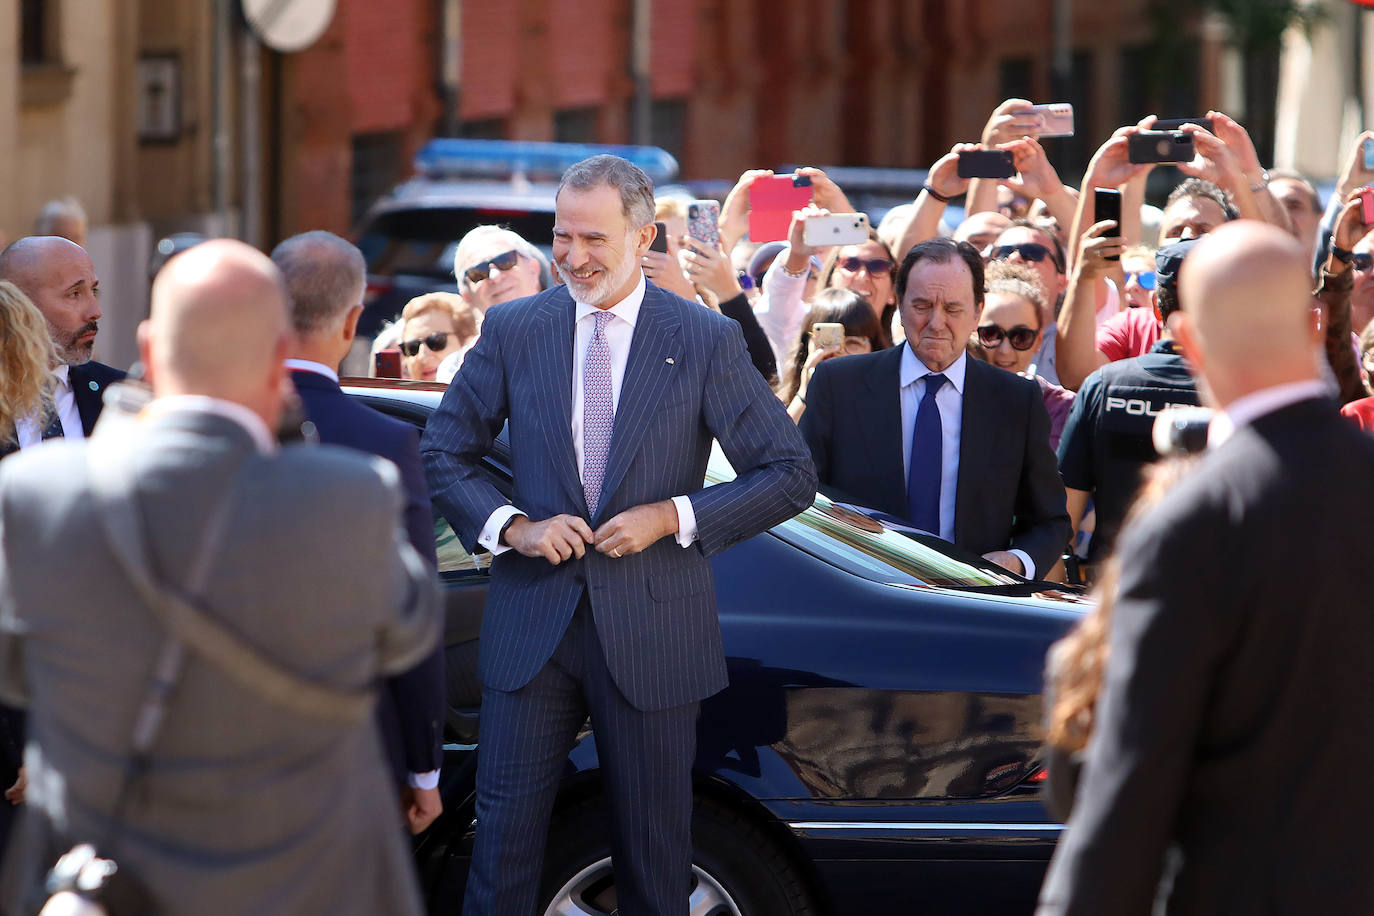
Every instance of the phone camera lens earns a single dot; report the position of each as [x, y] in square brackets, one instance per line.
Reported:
[1162, 147]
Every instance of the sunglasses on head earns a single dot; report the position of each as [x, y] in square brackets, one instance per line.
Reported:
[1020, 337]
[482, 269]
[872, 265]
[435, 342]
[1030, 251]
[1146, 278]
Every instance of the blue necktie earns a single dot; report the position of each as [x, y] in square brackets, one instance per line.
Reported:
[598, 412]
[927, 450]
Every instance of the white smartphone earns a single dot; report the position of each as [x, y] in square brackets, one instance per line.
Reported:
[836, 229]
[1056, 120]
[828, 334]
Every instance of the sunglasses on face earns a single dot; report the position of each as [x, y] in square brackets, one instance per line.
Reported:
[874, 266]
[1030, 251]
[1020, 337]
[482, 269]
[435, 342]
[1362, 261]
[1146, 278]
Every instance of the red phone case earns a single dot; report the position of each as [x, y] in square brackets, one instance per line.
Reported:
[771, 202]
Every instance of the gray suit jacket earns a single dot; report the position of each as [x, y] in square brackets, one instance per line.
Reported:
[247, 807]
[688, 381]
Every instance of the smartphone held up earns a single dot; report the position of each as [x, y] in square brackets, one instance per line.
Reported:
[986, 163]
[1160, 146]
[1107, 206]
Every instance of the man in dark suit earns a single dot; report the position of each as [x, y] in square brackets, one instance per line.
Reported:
[957, 447]
[325, 276]
[1238, 690]
[601, 597]
[57, 275]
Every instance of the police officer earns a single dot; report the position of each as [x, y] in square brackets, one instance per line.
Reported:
[1107, 439]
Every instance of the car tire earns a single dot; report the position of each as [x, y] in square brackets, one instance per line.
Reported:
[737, 869]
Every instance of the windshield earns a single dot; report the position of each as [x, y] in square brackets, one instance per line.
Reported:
[421, 241]
[867, 548]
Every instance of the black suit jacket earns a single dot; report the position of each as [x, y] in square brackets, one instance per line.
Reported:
[1234, 719]
[412, 722]
[1009, 493]
[89, 381]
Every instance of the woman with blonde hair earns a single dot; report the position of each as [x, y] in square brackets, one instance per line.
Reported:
[26, 361]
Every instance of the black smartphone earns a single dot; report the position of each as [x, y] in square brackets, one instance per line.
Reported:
[1107, 206]
[1176, 123]
[986, 163]
[660, 242]
[1160, 146]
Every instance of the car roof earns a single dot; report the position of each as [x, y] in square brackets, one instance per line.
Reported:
[444, 193]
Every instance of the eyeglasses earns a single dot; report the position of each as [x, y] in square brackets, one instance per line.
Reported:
[435, 342]
[1362, 261]
[1146, 278]
[1020, 337]
[874, 266]
[1030, 251]
[482, 269]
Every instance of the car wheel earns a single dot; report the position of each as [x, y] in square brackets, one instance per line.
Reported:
[736, 869]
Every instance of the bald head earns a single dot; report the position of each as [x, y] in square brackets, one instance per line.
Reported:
[57, 275]
[1245, 292]
[218, 327]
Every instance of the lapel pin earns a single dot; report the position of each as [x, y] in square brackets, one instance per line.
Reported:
[95, 386]
[670, 362]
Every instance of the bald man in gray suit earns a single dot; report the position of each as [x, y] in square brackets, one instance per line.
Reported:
[249, 804]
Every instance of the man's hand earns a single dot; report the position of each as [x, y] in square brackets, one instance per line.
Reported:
[1111, 166]
[1350, 228]
[1007, 560]
[1213, 160]
[1009, 121]
[734, 213]
[635, 529]
[15, 793]
[421, 807]
[663, 270]
[943, 176]
[710, 269]
[555, 539]
[1355, 175]
[1036, 179]
[825, 193]
[1099, 242]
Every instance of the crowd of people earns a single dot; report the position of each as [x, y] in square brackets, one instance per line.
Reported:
[996, 383]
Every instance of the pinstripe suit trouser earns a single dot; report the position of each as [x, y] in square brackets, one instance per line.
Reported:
[646, 764]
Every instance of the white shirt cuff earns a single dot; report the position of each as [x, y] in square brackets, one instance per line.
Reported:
[1026, 561]
[686, 521]
[491, 532]
[428, 780]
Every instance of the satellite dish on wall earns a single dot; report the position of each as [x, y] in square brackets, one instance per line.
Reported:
[288, 25]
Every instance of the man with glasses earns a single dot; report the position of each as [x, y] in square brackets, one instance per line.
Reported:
[1026, 243]
[495, 265]
[1108, 438]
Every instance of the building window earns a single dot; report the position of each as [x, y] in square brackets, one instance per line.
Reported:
[483, 129]
[1016, 77]
[668, 125]
[35, 19]
[45, 79]
[575, 125]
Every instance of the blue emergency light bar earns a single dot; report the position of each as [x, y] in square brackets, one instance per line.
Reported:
[453, 158]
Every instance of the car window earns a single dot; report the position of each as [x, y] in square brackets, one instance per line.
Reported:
[868, 548]
[452, 557]
[421, 241]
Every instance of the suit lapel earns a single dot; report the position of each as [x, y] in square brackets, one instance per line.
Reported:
[881, 421]
[654, 355]
[88, 394]
[975, 443]
[552, 350]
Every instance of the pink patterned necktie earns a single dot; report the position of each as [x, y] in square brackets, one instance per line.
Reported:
[598, 412]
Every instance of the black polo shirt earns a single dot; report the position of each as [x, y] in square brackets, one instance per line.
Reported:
[1107, 439]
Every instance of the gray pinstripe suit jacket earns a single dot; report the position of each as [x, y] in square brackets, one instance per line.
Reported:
[688, 380]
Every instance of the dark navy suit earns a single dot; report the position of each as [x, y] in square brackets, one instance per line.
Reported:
[412, 721]
[637, 636]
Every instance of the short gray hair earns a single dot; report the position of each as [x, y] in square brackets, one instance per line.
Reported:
[325, 276]
[478, 236]
[55, 212]
[636, 188]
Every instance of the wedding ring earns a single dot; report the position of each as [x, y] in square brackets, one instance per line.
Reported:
[616, 553]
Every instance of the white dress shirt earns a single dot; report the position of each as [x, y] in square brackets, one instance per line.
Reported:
[309, 365]
[1251, 407]
[619, 334]
[30, 432]
[950, 401]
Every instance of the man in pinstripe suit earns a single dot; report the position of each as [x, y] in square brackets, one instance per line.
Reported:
[601, 598]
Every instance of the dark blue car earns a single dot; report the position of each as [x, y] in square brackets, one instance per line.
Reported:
[877, 748]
